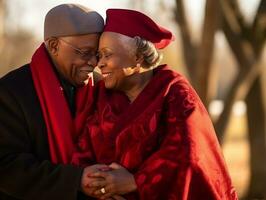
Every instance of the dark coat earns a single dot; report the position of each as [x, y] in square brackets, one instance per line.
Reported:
[25, 168]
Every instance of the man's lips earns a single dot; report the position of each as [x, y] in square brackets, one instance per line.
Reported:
[87, 69]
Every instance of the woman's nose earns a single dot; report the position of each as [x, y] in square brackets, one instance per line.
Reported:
[100, 64]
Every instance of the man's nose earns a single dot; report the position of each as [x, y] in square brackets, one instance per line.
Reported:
[92, 61]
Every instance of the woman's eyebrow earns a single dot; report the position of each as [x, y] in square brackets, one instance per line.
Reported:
[105, 49]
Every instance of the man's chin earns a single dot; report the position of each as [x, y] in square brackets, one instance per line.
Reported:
[83, 80]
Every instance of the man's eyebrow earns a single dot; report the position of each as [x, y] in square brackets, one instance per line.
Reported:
[87, 48]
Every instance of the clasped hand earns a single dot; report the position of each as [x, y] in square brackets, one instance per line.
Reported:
[115, 180]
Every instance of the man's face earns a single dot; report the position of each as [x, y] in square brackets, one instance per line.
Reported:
[76, 57]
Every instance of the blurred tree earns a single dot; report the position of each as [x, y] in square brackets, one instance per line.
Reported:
[17, 46]
[2, 17]
[3, 13]
[198, 57]
[247, 44]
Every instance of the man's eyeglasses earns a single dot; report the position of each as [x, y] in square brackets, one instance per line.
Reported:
[85, 55]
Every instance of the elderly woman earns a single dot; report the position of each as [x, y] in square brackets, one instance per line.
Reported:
[154, 130]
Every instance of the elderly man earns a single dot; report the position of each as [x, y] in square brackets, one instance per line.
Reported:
[39, 104]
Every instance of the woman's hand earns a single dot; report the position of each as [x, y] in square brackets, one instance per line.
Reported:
[86, 179]
[117, 181]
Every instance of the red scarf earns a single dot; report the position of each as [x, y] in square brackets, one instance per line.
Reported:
[62, 129]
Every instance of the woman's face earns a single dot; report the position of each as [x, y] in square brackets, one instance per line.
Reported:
[114, 58]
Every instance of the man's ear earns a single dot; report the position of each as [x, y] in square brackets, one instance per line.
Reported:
[53, 46]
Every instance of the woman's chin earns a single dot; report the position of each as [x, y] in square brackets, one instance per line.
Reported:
[108, 85]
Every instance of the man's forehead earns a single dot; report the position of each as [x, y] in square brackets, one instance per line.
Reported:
[86, 42]
[90, 36]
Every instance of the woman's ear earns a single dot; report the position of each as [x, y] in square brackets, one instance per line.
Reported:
[53, 46]
[128, 71]
[137, 68]
[139, 59]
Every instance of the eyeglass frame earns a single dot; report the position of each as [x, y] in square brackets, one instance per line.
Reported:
[82, 54]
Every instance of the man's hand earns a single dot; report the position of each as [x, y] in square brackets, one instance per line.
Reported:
[117, 181]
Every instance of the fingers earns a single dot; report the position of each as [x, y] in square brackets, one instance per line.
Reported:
[106, 196]
[118, 197]
[97, 183]
[93, 179]
[104, 193]
[105, 169]
[99, 174]
[94, 168]
[90, 192]
[115, 166]
[89, 180]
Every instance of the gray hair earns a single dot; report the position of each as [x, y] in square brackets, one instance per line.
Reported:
[152, 57]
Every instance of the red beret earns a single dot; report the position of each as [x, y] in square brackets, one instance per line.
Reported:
[133, 23]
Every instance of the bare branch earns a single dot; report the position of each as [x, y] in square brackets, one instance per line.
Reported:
[259, 28]
[241, 48]
[247, 62]
[239, 16]
[205, 52]
[236, 32]
[239, 90]
[189, 49]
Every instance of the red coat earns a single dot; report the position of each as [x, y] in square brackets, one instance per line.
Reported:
[165, 138]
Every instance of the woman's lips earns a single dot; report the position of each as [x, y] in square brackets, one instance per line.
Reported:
[105, 74]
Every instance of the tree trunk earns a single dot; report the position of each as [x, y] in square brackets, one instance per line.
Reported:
[189, 49]
[257, 139]
[247, 53]
[205, 52]
[198, 57]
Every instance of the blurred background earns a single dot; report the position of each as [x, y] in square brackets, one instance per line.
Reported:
[219, 47]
